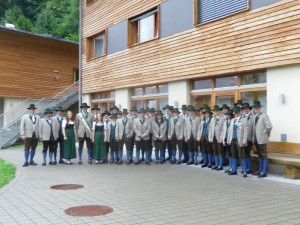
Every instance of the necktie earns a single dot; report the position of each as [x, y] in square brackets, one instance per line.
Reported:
[256, 119]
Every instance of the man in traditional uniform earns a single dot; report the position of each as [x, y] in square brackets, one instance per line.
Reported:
[191, 129]
[132, 118]
[83, 123]
[237, 138]
[249, 117]
[175, 134]
[29, 134]
[261, 132]
[105, 116]
[124, 132]
[57, 120]
[48, 133]
[167, 117]
[142, 129]
[184, 114]
[112, 138]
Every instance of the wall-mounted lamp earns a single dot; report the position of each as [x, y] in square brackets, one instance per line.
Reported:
[120, 106]
[56, 74]
[176, 104]
[282, 98]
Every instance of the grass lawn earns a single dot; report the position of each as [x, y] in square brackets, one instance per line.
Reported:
[7, 172]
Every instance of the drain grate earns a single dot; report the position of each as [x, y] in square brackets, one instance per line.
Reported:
[67, 186]
[89, 210]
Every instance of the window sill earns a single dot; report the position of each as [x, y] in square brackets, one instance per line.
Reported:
[94, 58]
[137, 44]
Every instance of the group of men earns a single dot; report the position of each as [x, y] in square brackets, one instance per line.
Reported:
[219, 134]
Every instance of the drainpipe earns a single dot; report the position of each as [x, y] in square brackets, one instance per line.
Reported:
[80, 56]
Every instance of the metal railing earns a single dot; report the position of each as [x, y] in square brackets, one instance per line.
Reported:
[10, 132]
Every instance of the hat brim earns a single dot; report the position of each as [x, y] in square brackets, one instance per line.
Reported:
[56, 110]
[85, 107]
[257, 106]
[106, 114]
[48, 112]
[31, 108]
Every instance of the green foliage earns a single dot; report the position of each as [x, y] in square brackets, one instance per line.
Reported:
[59, 18]
[7, 172]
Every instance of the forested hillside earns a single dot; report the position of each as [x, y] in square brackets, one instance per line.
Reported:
[59, 18]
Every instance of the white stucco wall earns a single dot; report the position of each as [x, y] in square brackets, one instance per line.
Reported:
[284, 116]
[86, 98]
[9, 103]
[179, 93]
[123, 98]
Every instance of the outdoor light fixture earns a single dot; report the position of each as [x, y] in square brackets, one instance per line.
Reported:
[56, 74]
[282, 98]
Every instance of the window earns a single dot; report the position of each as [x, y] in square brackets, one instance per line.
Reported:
[255, 78]
[208, 10]
[75, 74]
[88, 2]
[202, 84]
[251, 96]
[143, 28]
[105, 100]
[226, 82]
[96, 46]
[150, 96]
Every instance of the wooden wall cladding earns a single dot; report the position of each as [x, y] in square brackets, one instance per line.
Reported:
[27, 65]
[258, 39]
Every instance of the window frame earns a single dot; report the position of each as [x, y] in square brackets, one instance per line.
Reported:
[196, 14]
[90, 45]
[103, 101]
[136, 26]
[89, 2]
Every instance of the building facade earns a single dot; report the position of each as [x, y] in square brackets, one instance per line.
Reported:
[33, 66]
[151, 53]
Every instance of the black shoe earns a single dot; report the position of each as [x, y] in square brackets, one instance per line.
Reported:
[244, 175]
[25, 164]
[51, 163]
[172, 161]
[157, 161]
[137, 163]
[227, 171]
[90, 161]
[161, 161]
[249, 171]
[44, 164]
[179, 162]
[214, 168]
[196, 163]
[120, 163]
[204, 165]
[128, 162]
[261, 175]
[79, 162]
[190, 162]
[219, 169]
[184, 161]
[256, 173]
[209, 166]
[148, 162]
[167, 159]
[111, 161]
[32, 163]
[61, 161]
[142, 159]
[232, 173]
[54, 162]
[131, 161]
[201, 161]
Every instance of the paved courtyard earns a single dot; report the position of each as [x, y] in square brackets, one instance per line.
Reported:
[155, 194]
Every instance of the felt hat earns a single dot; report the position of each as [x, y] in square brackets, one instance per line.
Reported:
[184, 107]
[175, 110]
[225, 106]
[133, 109]
[236, 109]
[96, 107]
[171, 108]
[166, 107]
[119, 112]
[125, 111]
[239, 102]
[59, 108]
[32, 106]
[147, 109]
[114, 116]
[114, 107]
[256, 104]
[106, 113]
[48, 111]
[191, 108]
[216, 108]
[159, 112]
[229, 112]
[206, 110]
[152, 110]
[84, 105]
[142, 110]
[247, 105]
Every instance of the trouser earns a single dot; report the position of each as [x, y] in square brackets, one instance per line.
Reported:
[30, 144]
[206, 149]
[121, 142]
[185, 151]
[151, 144]
[228, 153]
[89, 146]
[193, 149]
[143, 144]
[169, 148]
[160, 150]
[262, 156]
[49, 144]
[237, 152]
[176, 144]
[113, 144]
[107, 148]
[248, 155]
[59, 141]
[218, 152]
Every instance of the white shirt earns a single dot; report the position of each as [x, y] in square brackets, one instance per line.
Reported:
[64, 123]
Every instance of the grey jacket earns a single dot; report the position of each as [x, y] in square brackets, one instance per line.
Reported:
[120, 128]
[45, 129]
[26, 126]
[262, 129]
[140, 128]
[242, 132]
[191, 127]
[179, 128]
[159, 131]
[81, 128]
